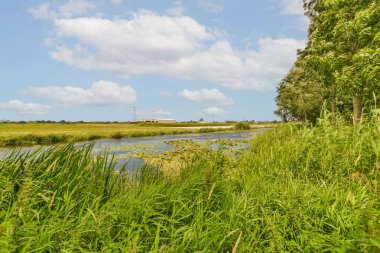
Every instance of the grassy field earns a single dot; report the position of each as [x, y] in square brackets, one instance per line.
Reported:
[51, 133]
[298, 189]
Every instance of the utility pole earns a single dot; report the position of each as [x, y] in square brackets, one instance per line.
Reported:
[134, 113]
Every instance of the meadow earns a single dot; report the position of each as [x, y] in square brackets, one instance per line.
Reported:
[28, 134]
[298, 188]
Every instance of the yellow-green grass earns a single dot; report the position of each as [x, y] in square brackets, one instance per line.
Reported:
[50, 133]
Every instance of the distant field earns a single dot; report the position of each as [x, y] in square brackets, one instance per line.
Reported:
[12, 134]
[72, 129]
[103, 129]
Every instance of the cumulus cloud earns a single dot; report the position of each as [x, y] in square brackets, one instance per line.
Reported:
[25, 108]
[42, 11]
[75, 7]
[295, 8]
[100, 93]
[206, 95]
[211, 5]
[292, 7]
[176, 9]
[69, 9]
[176, 47]
[214, 111]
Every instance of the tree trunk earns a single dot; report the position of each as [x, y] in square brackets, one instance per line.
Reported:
[358, 108]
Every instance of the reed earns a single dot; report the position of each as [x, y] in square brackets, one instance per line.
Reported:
[298, 189]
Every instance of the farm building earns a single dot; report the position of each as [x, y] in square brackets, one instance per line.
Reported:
[158, 121]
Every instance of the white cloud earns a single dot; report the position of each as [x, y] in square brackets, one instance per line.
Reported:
[100, 93]
[75, 7]
[214, 111]
[211, 5]
[176, 9]
[205, 95]
[69, 9]
[292, 7]
[295, 8]
[176, 47]
[42, 11]
[25, 108]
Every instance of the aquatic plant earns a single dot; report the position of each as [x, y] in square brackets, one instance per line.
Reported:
[298, 189]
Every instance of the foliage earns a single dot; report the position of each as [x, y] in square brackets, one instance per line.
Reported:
[300, 97]
[340, 65]
[298, 189]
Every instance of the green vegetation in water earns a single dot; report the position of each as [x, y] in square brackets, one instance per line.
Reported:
[243, 126]
[134, 148]
[298, 189]
[185, 152]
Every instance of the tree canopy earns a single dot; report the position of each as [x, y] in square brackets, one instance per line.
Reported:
[339, 67]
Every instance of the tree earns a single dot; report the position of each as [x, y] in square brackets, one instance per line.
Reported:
[300, 97]
[341, 61]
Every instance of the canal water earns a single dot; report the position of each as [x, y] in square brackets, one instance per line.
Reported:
[125, 147]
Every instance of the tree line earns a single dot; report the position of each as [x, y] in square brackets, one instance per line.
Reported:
[340, 66]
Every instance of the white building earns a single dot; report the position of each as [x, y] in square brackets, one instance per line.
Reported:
[158, 121]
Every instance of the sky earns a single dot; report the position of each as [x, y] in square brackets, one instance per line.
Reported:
[97, 60]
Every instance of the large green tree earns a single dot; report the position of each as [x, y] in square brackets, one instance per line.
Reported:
[343, 55]
[300, 96]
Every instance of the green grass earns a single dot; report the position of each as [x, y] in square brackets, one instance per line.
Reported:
[29, 134]
[299, 189]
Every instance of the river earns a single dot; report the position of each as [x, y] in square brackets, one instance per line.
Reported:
[121, 148]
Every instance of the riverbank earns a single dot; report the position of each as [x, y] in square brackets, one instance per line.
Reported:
[298, 189]
[29, 134]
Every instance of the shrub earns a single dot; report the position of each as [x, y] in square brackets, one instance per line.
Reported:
[117, 135]
[242, 126]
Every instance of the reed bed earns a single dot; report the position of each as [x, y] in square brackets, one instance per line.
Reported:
[298, 189]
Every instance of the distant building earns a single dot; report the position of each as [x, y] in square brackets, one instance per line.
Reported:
[158, 121]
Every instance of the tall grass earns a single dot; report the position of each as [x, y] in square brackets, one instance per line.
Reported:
[299, 189]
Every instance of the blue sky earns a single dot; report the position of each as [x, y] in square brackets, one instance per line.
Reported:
[96, 60]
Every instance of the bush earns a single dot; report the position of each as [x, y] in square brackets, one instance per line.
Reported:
[117, 135]
[242, 126]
